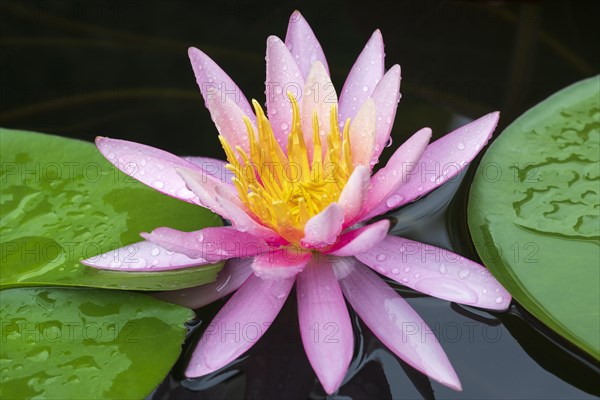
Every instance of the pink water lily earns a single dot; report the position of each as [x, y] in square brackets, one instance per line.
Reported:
[299, 193]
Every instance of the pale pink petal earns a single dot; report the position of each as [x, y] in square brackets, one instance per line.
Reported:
[153, 167]
[142, 256]
[323, 229]
[360, 240]
[229, 120]
[283, 75]
[281, 263]
[243, 222]
[212, 166]
[363, 77]
[436, 272]
[239, 324]
[394, 322]
[386, 96]
[303, 44]
[211, 244]
[362, 134]
[211, 78]
[354, 194]
[324, 323]
[386, 182]
[444, 159]
[230, 278]
[318, 97]
[205, 188]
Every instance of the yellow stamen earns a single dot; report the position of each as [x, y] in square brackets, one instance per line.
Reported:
[285, 191]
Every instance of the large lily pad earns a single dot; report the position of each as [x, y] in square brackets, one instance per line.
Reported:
[534, 212]
[61, 202]
[86, 343]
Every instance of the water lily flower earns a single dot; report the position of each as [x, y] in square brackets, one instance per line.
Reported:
[298, 192]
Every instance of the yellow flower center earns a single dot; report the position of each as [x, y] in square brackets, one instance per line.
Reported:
[284, 191]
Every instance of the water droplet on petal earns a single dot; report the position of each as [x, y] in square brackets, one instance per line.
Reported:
[158, 184]
[394, 200]
[499, 299]
[381, 257]
[460, 146]
[365, 88]
[155, 251]
[443, 268]
[395, 271]
[406, 269]
[464, 274]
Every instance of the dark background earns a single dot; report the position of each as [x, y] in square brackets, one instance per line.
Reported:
[120, 69]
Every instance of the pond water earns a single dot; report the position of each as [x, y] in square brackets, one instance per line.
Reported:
[82, 69]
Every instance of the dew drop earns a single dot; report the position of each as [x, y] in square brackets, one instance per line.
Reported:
[460, 146]
[155, 251]
[283, 126]
[365, 88]
[395, 271]
[405, 280]
[464, 274]
[158, 184]
[443, 268]
[394, 200]
[484, 291]
[381, 257]
[499, 299]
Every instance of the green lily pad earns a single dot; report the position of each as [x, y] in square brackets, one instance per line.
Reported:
[534, 212]
[61, 201]
[86, 343]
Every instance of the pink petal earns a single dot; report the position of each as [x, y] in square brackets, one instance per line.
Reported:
[324, 324]
[303, 44]
[212, 166]
[211, 78]
[205, 188]
[210, 244]
[283, 75]
[230, 278]
[142, 256]
[281, 263]
[362, 134]
[354, 194]
[386, 96]
[436, 272]
[363, 77]
[360, 240]
[153, 167]
[229, 120]
[444, 159]
[323, 229]
[396, 172]
[240, 324]
[394, 322]
[243, 222]
[319, 96]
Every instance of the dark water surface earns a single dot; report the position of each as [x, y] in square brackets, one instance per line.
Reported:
[86, 68]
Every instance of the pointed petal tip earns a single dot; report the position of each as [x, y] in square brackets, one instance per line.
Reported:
[296, 16]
